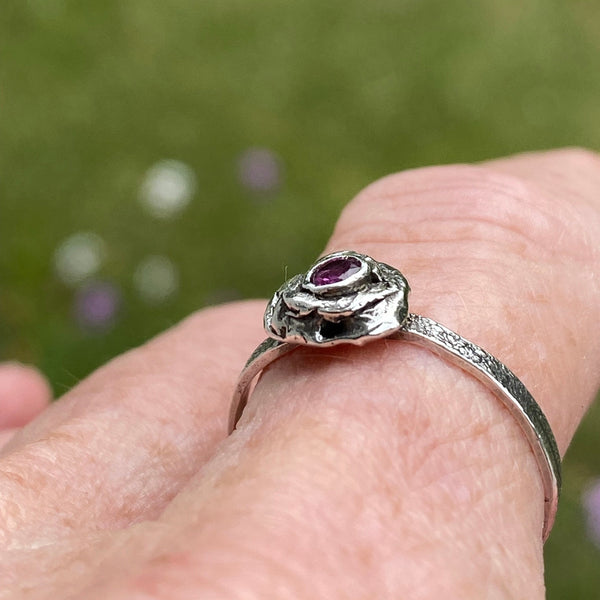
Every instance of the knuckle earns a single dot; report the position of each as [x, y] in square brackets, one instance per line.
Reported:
[462, 204]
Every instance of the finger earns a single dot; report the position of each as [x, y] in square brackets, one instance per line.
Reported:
[120, 445]
[24, 393]
[384, 463]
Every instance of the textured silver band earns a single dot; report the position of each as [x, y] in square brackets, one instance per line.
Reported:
[471, 358]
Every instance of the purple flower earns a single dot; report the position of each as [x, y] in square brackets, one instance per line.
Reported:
[259, 170]
[96, 305]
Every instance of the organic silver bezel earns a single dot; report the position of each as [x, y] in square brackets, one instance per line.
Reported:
[369, 304]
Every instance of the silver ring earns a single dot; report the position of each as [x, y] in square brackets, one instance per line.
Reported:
[347, 297]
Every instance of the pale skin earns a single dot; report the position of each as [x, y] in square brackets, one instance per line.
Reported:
[355, 473]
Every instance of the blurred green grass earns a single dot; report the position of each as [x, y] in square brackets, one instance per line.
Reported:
[92, 94]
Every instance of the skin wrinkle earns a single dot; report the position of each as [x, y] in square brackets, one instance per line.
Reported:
[473, 229]
[565, 172]
[533, 225]
[479, 231]
[122, 513]
[440, 249]
[443, 482]
[454, 177]
[497, 181]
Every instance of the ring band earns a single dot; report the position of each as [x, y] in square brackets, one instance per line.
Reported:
[347, 297]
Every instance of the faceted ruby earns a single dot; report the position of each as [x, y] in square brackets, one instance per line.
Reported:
[335, 270]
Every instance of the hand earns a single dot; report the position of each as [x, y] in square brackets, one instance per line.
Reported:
[376, 472]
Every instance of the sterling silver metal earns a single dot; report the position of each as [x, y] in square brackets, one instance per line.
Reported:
[369, 302]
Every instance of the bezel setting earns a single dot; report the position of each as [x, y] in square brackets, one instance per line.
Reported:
[369, 303]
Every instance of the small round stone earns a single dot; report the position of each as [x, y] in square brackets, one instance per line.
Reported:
[335, 270]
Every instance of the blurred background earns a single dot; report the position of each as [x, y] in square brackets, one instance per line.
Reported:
[156, 157]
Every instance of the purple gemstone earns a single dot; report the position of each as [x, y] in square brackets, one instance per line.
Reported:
[335, 270]
[259, 170]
